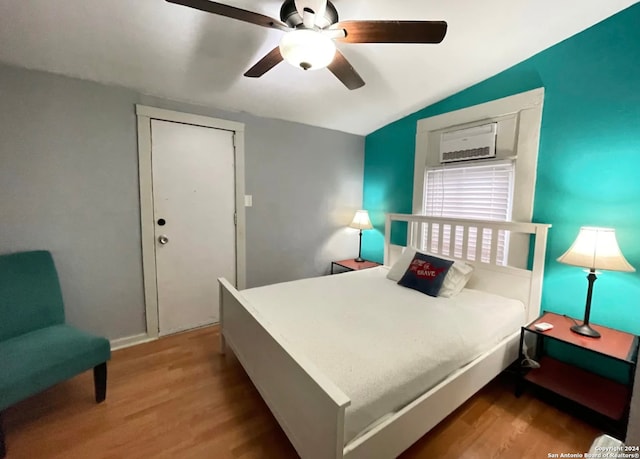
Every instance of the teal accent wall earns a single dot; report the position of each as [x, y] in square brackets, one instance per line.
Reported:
[588, 162]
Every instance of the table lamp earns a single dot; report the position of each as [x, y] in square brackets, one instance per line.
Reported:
[361, 221]
[594, 248]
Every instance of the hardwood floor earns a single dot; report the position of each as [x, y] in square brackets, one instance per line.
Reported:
[179, 398]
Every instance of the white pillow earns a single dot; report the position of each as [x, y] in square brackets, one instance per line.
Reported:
[400, 267]
[455, 280]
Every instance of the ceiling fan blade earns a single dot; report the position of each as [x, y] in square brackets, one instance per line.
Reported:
[265, 64]
[233, 12]
[345, 72]
[392, 31]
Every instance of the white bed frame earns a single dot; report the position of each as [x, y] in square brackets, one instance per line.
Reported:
[311, 409]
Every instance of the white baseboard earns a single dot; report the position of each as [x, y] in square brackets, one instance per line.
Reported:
[127, 341]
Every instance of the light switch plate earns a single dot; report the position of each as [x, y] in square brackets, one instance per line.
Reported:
[248, 200]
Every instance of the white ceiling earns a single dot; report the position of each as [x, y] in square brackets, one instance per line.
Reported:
[174, 52]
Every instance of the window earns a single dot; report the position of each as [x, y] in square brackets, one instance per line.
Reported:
[480, 191]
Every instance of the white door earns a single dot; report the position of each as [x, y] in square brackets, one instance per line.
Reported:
[194, 207]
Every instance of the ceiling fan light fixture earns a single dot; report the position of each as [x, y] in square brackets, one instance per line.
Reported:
[307, 49]
[311, 26]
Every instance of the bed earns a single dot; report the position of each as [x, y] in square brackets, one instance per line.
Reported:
[327, 388]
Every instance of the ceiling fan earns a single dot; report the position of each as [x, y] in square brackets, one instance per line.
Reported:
[312, 26]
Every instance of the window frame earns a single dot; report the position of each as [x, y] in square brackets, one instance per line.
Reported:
[525, 110]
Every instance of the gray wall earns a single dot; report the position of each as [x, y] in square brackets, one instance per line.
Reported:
[69, 184]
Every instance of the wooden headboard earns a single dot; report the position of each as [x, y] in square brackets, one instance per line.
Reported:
[493, 272]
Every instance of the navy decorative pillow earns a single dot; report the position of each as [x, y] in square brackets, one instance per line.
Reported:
[426, 274]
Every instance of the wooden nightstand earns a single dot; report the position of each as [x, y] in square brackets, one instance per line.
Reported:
[608, 399]
[352, 265]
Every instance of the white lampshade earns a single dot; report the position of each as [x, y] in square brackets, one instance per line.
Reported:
[361, 220]
[307, 49]
[596, 248]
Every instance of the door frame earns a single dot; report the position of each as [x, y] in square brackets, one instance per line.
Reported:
[144, 116]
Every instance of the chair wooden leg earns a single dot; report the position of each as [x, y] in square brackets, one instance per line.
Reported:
[3, 448]
[100, 381]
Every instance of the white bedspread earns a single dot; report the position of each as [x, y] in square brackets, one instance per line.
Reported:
[382, 344]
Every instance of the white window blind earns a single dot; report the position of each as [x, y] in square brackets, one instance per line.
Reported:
[482, 192]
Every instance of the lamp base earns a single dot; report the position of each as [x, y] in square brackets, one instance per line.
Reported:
[585, 330]
[358, 260]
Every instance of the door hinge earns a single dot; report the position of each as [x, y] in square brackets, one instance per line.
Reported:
[235, 218]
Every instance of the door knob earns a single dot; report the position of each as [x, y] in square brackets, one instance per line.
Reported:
[163, 239]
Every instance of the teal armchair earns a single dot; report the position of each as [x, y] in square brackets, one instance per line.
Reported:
[37, 348]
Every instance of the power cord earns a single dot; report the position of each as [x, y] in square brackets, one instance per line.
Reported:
[572, 319]
[528, 361]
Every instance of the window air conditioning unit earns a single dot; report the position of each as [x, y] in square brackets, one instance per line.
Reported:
[478, 142]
